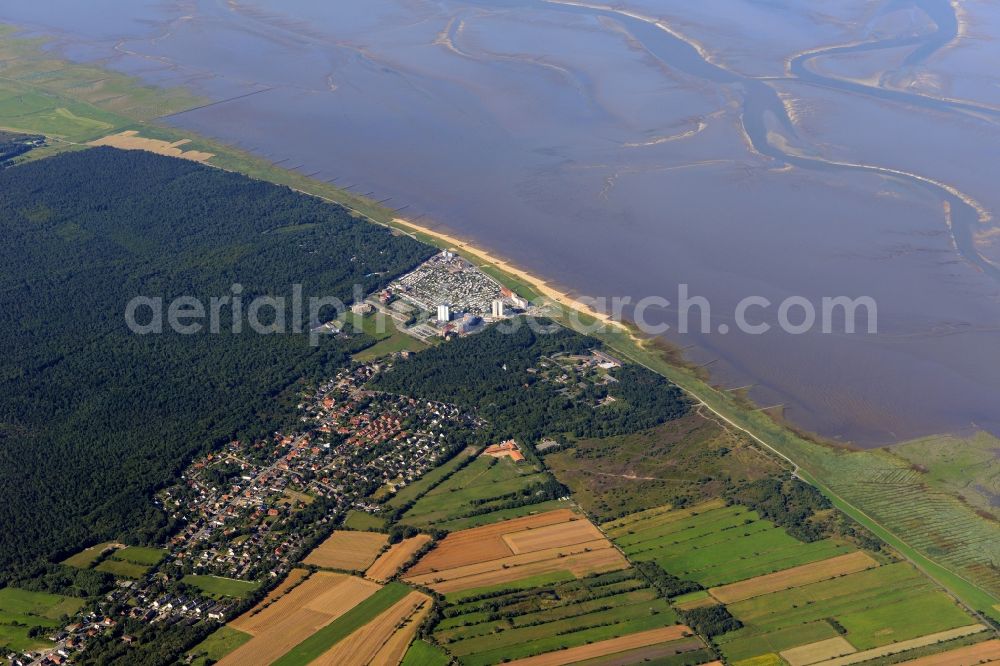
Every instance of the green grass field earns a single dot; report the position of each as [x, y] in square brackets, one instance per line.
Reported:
[546, 615]
[389, 341]
[875, 607]
[221, 642]
[218, 587]
[478, 486]
[123, 569]
[20, 610]
[344, 626]
[88, 556]
[422, 653]
[16, 639]
[414, 490]
[363, 522]
[26, 606]
[140, 555]
[503, 514]
[719, 546]
[540, 580]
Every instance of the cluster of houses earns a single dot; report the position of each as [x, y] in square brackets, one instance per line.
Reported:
[69, 640]
[237, 506]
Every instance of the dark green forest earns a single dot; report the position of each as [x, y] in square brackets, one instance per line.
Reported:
[94, 418]
[492, 373]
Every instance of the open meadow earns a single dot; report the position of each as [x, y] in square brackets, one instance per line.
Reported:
[23, 610]
[627, 473]
[218, 587]
[478, 493]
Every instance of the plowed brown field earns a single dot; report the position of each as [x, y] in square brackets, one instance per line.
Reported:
[552, 536]
[517, 549]
[980, 653]
[485, 543]
[508, 562]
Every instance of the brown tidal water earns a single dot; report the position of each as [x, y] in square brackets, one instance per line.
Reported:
[767, 148]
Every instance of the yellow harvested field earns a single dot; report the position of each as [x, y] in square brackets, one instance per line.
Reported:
[130, 140]
[514, 561]
[602, 648]
[581, 564]
[297, 615]
[903, 646]
[391, 561]
[351, 551]
[818, 651]
[980, 653]
[552, 536]
[794, 577]
[383, 640]
[485, 543]
[291, 580]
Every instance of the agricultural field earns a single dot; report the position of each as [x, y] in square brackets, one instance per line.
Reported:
[690, 457]
[825, 602]
[981, 653]
[284, 623]
[713, 544]
[218, 587]
[549, 621]
[347, 551]
[362, 637]
[471, 492]
[557, 545]
[391, 561]
[22, 610]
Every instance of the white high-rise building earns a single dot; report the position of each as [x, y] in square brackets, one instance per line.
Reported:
[498, 308]
[444, 313]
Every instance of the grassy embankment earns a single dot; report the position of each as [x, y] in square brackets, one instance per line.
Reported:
[73, 104]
